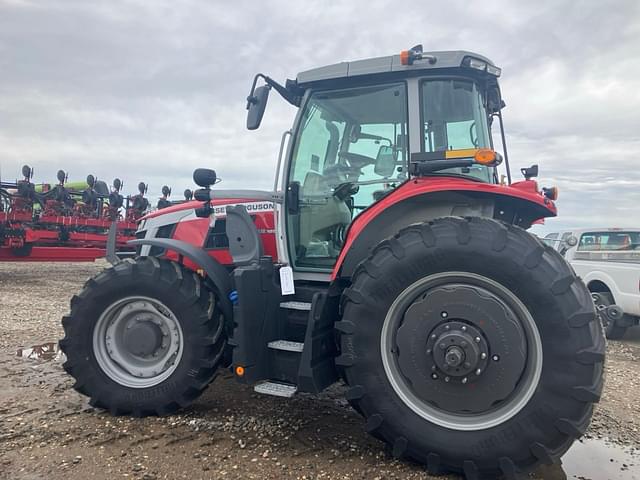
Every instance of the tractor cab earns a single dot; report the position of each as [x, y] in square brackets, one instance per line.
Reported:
[365, 128]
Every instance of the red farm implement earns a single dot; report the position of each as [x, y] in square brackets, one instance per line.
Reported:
[65, 223]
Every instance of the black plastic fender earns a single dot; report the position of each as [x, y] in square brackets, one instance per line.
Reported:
[218, 274]
[245, 244]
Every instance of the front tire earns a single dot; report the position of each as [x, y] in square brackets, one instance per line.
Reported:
[144, 337]
[488, 295]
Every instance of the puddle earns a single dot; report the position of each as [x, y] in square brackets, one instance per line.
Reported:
[595, 460]
[45, 351]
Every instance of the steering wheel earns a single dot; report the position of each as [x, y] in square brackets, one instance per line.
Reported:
[474, 141]
[356, 160]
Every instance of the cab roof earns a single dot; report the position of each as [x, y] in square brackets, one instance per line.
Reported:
[390, 63]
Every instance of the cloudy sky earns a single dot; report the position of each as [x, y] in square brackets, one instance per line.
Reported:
[149, 90]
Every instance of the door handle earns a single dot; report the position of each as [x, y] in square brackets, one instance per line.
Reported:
[293, 198]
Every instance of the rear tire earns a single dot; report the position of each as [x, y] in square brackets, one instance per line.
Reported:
[144, 337]
[535, 422]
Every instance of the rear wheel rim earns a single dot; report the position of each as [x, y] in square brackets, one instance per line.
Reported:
[434, 381]
[138, 342]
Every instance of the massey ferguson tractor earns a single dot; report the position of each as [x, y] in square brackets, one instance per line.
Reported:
[391, 255]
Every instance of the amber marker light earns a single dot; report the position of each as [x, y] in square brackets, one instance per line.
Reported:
[404, 57]
[485, 156]
[240, 371]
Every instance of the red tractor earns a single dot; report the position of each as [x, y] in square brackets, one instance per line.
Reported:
[389, 255]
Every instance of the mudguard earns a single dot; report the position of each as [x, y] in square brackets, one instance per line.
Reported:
[427, 198]
[218, 274]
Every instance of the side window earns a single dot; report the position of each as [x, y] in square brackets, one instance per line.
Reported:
[587, 242]
[454, 117]
[609, 241]
[316, 148]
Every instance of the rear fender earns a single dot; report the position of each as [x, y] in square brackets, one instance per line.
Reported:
[387, 217]
[218, 274]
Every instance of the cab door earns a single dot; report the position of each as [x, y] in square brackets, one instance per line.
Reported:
[348, 151]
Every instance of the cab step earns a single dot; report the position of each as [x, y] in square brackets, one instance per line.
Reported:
[286, 345]
[304, 306]
[276, 389]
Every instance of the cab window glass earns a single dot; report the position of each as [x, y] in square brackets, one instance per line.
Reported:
[454, 117]
[350, 150]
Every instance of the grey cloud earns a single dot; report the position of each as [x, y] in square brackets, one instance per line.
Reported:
[151, 90]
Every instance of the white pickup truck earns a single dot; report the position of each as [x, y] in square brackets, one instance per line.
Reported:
[608, 260]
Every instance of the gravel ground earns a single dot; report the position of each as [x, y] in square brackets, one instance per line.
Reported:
[49, 431]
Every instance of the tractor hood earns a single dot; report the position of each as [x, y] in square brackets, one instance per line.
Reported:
[253, 203]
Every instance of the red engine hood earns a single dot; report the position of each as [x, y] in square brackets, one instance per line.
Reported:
[197, 204]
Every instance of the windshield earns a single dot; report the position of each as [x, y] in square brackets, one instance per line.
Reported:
[454, 118]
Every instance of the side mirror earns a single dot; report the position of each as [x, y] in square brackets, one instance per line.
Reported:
[530, 172]
[385, 161]
[571, 241]
[204, 177]
[494, 102]
[256, 105]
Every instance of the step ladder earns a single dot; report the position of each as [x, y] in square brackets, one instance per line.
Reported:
[292, 305]
[280, 389]
[286, 345]
[276, 389]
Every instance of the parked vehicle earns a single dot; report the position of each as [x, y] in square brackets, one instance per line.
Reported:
[608, 261]
[396, 260]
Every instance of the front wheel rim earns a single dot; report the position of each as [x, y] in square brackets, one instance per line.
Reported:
[138, 342]
[460, 350]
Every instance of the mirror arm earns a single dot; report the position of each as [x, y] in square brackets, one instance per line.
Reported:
[284, 92]
[288, 95]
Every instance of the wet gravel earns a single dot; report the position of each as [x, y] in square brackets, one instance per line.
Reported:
[49, 431]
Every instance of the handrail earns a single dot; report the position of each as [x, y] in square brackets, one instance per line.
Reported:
[284, 136]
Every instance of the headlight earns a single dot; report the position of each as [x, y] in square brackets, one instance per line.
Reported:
[495, 71]
[476, 63]
[481, 65]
